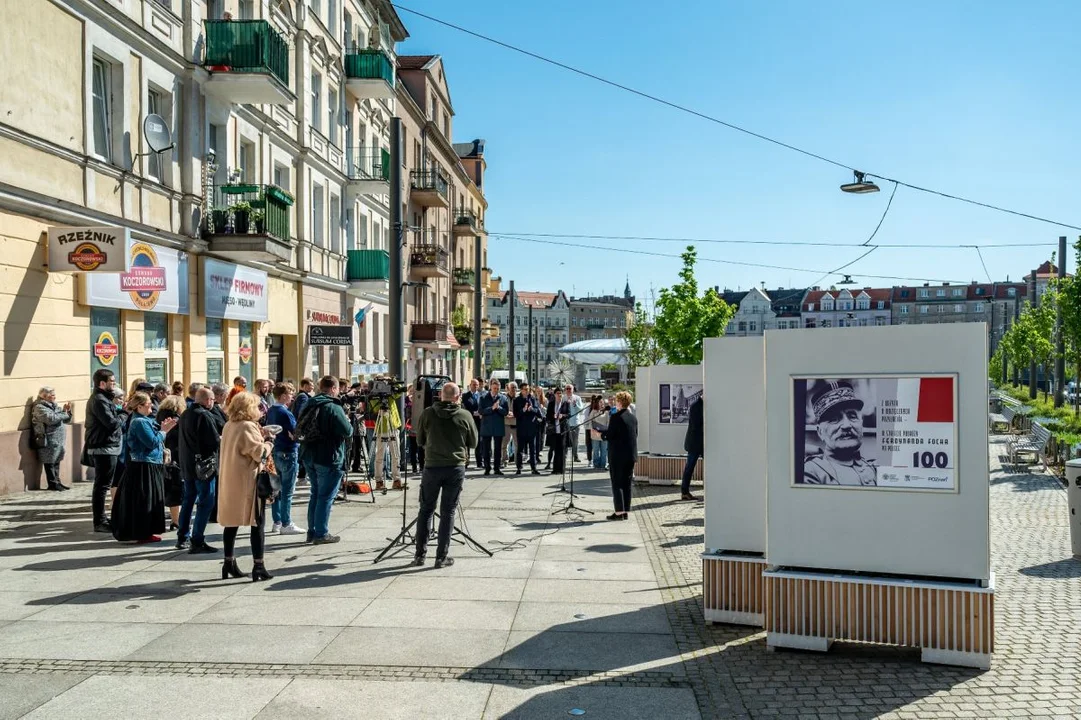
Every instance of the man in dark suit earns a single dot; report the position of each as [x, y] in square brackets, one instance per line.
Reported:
[471, 404]
[528, 414]
[694, 444]
[556, 419]
[199, 438]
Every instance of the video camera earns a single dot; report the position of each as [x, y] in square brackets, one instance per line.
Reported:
[384, 387]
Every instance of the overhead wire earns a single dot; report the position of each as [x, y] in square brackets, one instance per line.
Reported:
[724, 123]
[781, 243]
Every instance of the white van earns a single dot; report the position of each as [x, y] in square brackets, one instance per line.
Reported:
[503, 376]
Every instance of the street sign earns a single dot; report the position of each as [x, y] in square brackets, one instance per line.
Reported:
[338, 335]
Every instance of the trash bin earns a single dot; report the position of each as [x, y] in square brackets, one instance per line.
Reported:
[1073, 497]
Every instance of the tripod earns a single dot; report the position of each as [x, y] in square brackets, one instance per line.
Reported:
[570, 505]
[406, 537]
[343, 495]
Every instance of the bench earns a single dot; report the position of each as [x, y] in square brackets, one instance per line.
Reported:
[1004, 418]
[1034, 443]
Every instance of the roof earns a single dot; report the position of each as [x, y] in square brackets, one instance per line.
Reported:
[875, 295]
[733, 297]
[414, 62]
[1002, 290]
[785, 302]
[536, 299]
[980, 291]
[470, 149]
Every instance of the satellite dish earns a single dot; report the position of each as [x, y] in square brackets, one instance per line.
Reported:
[157, 134]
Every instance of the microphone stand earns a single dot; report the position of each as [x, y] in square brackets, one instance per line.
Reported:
[570, 505]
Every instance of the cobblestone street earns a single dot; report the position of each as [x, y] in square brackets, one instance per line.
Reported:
[570, 613]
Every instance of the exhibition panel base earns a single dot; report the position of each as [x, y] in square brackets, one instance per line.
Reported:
[732, 590]
[952, 623]
[665, 469]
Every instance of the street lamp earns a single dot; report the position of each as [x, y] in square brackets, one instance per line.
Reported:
[860, 186]
[847, 281]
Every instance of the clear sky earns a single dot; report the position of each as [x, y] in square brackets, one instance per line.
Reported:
[978, 98]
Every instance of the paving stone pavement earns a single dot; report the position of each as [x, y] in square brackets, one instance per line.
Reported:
[571, 612]
[1036, 671]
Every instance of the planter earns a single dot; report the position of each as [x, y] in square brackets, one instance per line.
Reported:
[260, 226]
[241, 221]
[219, 221]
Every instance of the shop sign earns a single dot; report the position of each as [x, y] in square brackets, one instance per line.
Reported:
[88, 249]
[156, 281]
[234, 292]
[323, 318]
[106, 349]
[336, 335]
[874, 433]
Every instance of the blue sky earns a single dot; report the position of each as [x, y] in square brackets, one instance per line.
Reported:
[978, 99]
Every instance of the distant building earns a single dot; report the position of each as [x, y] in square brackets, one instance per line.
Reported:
[867, 307]
[602, 317]
[991, 303]
[758, 310]
[551, 325]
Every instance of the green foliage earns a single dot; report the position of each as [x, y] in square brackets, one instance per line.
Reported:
[499, 360]
[685, 318]
[459, 316]
[642, 349]
[520, 366]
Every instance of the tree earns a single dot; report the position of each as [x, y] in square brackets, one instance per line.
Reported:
[685, 318]
[642, 350]
[1068, 297]
[499, 360]
[1031, 337]
[520, 367]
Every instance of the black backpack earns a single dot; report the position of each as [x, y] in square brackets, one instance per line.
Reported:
[308, 425]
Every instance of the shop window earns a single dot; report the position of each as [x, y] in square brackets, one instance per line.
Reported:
[246, 352]
[215, 351]
[156, 347]
[105, 342]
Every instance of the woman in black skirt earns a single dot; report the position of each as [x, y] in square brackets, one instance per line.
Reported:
[139, 506]
[622, 437]
[172, 407]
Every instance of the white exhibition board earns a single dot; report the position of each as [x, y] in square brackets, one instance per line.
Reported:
[735, 443]
[661, 426]
[937, 532]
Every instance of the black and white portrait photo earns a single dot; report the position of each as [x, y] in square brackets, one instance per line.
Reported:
[676, 401]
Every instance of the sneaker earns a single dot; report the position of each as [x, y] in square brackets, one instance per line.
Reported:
[103, 527]
[201, 549]
[444, 562]
[149, 539]
[397, 485]
[291, 529]
[275, 528]
[690, 498]
[417, 561]
[326, 539]
[182, 545]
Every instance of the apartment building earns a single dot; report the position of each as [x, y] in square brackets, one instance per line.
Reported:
[255, 245]
[606, 316]
[759, 309]
[993, 303]
[867, 307]
[551, 327]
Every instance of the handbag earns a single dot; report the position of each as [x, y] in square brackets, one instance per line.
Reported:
[267, 485]
[206, 468]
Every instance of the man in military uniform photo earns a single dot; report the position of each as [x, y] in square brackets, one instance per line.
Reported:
[838, 412]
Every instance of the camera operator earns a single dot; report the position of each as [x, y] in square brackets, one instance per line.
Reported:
[353, 402]
[447, 433]
[383, 399]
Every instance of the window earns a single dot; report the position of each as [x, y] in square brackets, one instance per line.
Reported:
[902, 309]
[318, 211]
[978, 307]
[827, 303]
[247, 9]
[957, 292]
[332, 116]
[335, 224]
[350, 227]
[924, 309]
[941, 292]
[958, 308]
[827, 323]
[880, 321]
[810, 307]
[1011, 292]
[752, 326]
[103, 117]
[105, 342]
[742, 326]
[317, 105]
[881, 304]
[215, 351]
[246, 351]
[924, 292]
[332, 17]
[281, 176]
[317, 8]
[433, 108]
[363, 241]
[863, 322]
[156, 347]
[446, 126]
[863, 304]
[248, 172]
[155, 105]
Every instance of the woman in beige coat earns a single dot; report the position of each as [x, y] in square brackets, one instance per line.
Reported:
[244, 449]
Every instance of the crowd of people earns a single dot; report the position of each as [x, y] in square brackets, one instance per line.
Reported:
[190, 456]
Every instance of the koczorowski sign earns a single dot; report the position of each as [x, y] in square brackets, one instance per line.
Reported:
[88, 249]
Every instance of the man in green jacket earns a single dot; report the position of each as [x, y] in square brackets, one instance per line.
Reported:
[447, 433]
[322, 430]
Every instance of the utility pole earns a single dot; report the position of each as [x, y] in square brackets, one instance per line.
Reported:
[1005, 329]
[1016, 318]
[477, 304]
[530, 375]
[1035, 301]
[510, 334]
[397, 286]
[1060, 345]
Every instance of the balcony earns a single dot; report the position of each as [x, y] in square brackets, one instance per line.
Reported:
[429, 188]
[369, 74]
[248, 62]
[429, 261]
[431, 333]
[466, 224]
[368, 170]
[464, 279]
[250, 223]
[463, 334]
[368, 272]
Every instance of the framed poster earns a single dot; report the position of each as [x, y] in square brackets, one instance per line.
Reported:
[676, 401]
[875, 432]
